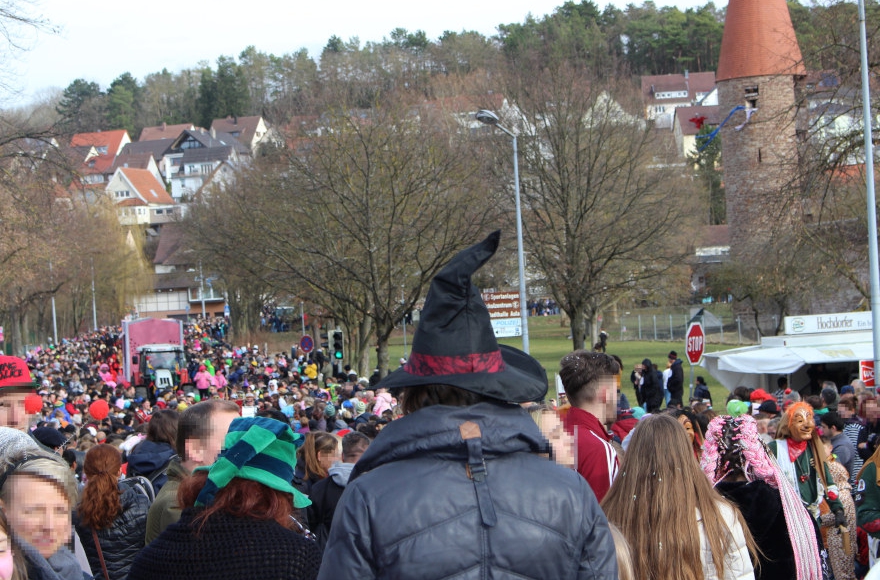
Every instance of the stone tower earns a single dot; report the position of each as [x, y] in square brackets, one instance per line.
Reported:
[759, 64]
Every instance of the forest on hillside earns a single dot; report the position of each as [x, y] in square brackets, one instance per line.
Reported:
[612, 43]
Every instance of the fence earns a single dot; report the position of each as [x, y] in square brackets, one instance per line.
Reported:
[720, 325]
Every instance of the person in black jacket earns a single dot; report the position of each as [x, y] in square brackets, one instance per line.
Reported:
[325, 493]
[152, 456]
[675, 385]
[652, 388]
[458, 486]
[109, 521]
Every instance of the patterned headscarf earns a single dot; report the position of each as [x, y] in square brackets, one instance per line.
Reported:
[259, 449]
[739, 435]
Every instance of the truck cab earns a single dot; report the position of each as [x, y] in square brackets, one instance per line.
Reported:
[160, 365]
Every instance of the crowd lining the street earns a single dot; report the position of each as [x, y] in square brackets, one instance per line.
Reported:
[260, 465]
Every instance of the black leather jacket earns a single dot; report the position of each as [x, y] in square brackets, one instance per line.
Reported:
[421, 504]
[121, 542]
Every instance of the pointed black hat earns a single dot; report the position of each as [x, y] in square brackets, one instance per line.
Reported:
[455, 345]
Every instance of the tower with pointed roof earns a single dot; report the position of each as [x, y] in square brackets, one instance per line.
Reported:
[759, 65]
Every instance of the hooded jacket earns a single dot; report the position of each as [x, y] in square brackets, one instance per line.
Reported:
[463, 492]
[150, 459]
[325, 497]
[122, 541]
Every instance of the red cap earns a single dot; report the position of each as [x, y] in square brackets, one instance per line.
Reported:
[761, 395]
[14, 372]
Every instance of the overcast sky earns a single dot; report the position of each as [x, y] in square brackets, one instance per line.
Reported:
[100, 39]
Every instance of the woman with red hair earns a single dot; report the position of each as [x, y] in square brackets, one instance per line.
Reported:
[110, 522]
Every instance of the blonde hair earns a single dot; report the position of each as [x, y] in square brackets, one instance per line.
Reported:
[661, 485]
[624, 554]
[43, 466]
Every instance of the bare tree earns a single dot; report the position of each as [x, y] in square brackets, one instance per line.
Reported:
[606, 209]
[360, 212]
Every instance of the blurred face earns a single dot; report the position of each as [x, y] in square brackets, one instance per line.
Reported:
[39, 512]
[328, 458]
[871, 410]
[688, 427]
[560, 441]
[12, 408]
[219, 427]
[802, 425]
[6, 566]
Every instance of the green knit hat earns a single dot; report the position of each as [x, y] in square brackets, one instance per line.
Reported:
[259, 449]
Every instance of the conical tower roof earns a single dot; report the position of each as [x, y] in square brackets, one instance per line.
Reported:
[759, 40]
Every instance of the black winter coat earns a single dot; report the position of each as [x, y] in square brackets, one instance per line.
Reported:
[761, 507]
[421, 504]
[652, 388]
[675, 384]
[122, 541]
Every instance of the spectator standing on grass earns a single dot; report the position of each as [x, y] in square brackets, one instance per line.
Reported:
[675, 385]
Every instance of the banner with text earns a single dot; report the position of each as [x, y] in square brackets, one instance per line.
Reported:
[812, 324]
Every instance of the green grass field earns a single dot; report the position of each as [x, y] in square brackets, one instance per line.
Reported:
[548, 343]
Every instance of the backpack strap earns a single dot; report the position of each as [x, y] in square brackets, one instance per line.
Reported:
[476, 471]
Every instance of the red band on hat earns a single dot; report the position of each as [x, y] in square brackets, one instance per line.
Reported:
[425, 365]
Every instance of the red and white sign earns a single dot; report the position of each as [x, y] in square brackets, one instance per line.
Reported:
[695, 343]
[866, 372]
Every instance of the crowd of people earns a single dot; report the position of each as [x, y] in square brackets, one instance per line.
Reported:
[266, 465]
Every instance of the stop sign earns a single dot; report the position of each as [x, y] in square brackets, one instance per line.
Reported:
[695, 342]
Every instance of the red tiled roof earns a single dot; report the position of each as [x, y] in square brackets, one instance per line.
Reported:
[147, 186]
[164, 131]
[758, 40]
[708, 115]
[101, 164]
[112, 140]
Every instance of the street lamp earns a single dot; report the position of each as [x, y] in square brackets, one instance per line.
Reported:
[490, 118]
[873, 260]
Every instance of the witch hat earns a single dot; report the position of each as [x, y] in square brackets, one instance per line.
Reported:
[455, 345]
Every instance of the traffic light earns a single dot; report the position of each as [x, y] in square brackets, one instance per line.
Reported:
[337, 345]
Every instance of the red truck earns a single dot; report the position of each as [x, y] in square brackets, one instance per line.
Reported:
[153, 353]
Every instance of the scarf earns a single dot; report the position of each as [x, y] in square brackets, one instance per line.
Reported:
[796, 448]
[61, 565]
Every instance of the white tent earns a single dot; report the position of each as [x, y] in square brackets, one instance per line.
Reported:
[757, 366]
